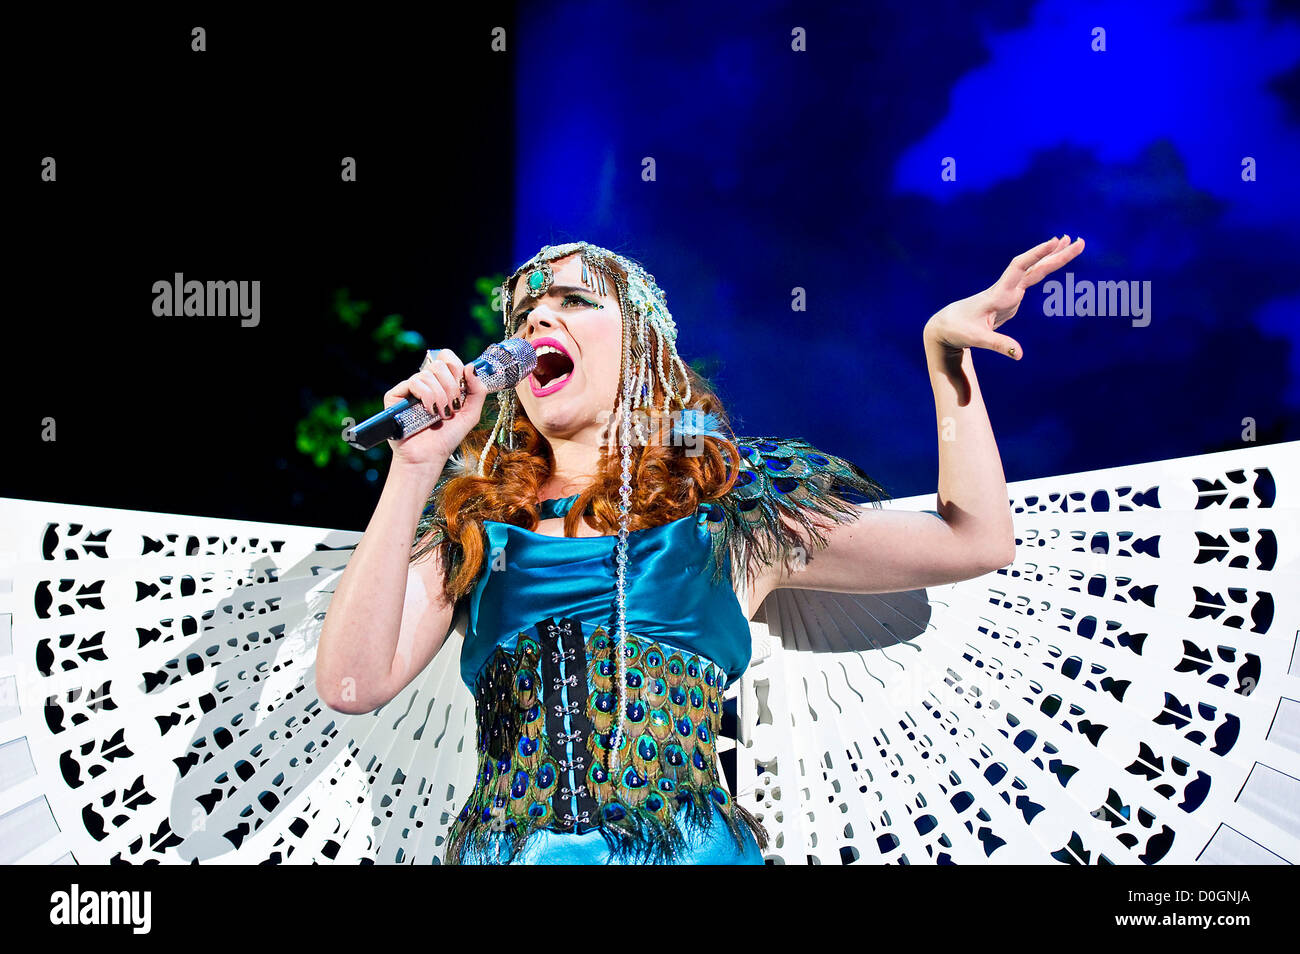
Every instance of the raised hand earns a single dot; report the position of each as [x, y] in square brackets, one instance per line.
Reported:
[972, 322]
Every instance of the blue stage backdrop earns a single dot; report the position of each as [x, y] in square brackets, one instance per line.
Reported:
[897, 162]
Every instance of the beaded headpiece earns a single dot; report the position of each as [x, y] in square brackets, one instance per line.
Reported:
[643, 307]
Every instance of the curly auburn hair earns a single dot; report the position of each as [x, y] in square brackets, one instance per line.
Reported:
[667, 484]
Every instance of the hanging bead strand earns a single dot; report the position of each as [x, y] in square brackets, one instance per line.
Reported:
[625, 505]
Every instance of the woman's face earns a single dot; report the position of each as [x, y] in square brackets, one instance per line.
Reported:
[572, 391]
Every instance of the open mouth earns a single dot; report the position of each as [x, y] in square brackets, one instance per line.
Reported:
[554, 366]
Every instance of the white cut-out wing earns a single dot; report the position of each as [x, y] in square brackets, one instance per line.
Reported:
[1125, 692]
[158, 703]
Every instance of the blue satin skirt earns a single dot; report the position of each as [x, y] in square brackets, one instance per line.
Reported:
[706, 846]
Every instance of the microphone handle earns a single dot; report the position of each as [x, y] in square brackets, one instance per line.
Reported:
[401, 420]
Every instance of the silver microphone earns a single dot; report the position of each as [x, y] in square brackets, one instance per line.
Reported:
[503, 365]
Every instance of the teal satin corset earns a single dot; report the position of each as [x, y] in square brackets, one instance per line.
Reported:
[529, 576]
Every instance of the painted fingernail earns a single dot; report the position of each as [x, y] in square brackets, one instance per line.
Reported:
[446, 408]
[455, 402]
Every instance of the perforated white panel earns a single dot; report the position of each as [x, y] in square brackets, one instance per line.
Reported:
[1126, 692]
[1123, 693]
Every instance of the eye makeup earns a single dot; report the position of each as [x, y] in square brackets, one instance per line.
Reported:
[572, 296]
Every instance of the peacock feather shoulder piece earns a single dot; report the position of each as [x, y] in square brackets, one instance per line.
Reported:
[778, 477]
[783, 478]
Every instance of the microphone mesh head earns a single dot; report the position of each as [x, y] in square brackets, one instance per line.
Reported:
[514, 359]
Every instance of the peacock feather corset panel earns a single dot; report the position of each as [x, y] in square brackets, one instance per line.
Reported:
[546, 706]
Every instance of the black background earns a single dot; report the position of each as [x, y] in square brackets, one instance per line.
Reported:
[225, 165]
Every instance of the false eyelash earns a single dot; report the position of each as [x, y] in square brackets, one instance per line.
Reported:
[592, 304]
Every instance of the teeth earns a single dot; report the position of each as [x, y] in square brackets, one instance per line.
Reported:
[547, 349]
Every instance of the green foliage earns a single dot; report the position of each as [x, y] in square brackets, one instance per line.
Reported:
[348, 311]
[392, 339]
[320, 432]
[486, 315]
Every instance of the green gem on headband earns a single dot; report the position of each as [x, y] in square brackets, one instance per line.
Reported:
[539, 280]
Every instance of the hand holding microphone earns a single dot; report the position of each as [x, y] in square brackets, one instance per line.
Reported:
[427, 416]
